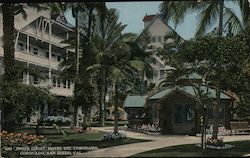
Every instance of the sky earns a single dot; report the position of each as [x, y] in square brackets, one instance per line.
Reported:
[132, 13]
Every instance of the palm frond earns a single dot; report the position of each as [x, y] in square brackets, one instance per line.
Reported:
[206, 18]
[233, 20]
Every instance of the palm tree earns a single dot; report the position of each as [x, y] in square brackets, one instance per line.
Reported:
[84, 14]
[210, 12]
[105, 37]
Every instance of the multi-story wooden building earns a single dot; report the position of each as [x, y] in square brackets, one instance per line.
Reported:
[38, 44]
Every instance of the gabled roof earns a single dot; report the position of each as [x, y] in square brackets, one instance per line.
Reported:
[148, 17]
[135, 101]
[153, 18]
[188, 90]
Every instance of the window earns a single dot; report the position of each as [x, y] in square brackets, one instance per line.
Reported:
[153, 39]
[20, 46]
[54, 81]
[27, 47]
[21, 77]
[47, 54]
[162, 74]
[53, 56]
[210, 112]
[35, 80]
[68, 84]
[58, 83]
[59, 58]
[159, 39]
[183, 113]
[35, 51]
[64, 84]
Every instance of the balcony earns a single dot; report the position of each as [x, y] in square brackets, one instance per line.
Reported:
[33, 59]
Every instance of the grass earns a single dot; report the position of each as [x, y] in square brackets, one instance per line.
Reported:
[79, 139]
[55, 138]
[241, 148]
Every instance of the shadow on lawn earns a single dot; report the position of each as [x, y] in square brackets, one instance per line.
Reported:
[241, 148]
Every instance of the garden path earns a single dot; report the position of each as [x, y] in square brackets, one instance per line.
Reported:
[158, 141]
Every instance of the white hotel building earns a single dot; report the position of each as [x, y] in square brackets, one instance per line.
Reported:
[157, 28]
[38, 44]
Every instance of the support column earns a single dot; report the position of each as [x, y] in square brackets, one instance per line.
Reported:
[50, 30]
[27, 76]
[17, 37]
[28, 43]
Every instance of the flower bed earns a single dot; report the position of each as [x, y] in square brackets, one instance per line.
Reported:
[58, 120]
[221, 131]
[225, 146]
[21, 139]
[147, 128]
[114, 136]
[215, 142]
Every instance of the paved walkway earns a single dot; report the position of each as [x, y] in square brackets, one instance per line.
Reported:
[158, 141]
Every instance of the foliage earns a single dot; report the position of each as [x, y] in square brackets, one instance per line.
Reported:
[17, 100]
[204, 55]
[208, 14]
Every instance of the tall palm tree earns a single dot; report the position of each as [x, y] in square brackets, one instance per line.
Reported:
[106, 34]
[84, 14]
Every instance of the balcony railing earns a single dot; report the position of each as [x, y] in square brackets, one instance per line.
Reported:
[33, 59]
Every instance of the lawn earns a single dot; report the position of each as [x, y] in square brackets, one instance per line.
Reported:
[241, 148]
[55, 138]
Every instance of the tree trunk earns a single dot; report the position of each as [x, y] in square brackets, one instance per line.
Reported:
[102, 116]
[248, 20]
[216, 114]
[116, 109]
[142, 83]
[8, 40]
[105, 93]
[218, 89]
[77, 68]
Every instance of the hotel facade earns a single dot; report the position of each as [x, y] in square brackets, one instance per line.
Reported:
[38, 45]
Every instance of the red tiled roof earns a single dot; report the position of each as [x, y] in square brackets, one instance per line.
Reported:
[148, 17]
